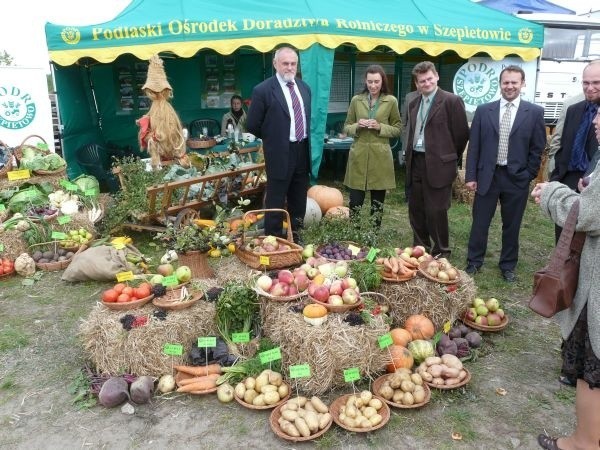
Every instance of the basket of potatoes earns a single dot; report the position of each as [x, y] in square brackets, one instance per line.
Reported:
[266, 391]
[360, 412]
[402, 389]
[445, 372]
[301, 419]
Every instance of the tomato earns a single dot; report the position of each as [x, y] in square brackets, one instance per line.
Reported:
[146, 285]
[119, 287]
[127, 290]
[123, 298]
[110, 296]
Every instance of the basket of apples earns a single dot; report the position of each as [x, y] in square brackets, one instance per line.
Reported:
[284, 285]
[485, 315]
[332, 288]
[439, 270]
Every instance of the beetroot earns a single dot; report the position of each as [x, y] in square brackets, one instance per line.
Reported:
[141, 390]
[462, 347]
[474, 339]
[455, 332]
[448, 347]
[464, 330]
[114, 391]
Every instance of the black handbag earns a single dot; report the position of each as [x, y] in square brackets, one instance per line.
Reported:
[554, 286]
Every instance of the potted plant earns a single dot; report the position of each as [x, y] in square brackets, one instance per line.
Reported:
[191, 242]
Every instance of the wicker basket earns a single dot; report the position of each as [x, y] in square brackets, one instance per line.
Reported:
[251, 406]
[54, 265]
[9, 164]
[277, 260]
[201, 143]
[128, 305]
[197, 261]
[337, 404]
[19, 155]
[274, 421]
[378, 383]
[347, 244]
[171, 300]
[337, 308]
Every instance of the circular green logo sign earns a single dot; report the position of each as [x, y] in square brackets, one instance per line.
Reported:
[476, 83]
[17, 108]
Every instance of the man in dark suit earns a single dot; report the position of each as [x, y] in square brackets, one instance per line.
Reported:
[505, 150]
[578, 142]
[279, 114]
[437, 135]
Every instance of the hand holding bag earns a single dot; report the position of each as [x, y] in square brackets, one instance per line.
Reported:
[554, 286]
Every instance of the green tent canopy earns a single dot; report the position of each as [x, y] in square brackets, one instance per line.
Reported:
[315, 27]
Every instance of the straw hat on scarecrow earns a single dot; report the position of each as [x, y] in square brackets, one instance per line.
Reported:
[161, 132]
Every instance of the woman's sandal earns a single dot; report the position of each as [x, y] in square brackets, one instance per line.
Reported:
[547, 442]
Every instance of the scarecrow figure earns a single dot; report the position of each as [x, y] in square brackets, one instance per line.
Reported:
[161, 132]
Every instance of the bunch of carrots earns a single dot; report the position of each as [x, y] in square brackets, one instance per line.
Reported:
[197, 379]
[396, 268]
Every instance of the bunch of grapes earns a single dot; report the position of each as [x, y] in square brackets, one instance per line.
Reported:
[340, 251]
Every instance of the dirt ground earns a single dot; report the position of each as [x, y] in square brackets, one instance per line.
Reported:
[40, 357]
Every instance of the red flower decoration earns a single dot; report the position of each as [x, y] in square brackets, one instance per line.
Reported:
[451, 288]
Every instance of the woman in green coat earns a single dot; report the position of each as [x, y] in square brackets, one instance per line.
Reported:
[373, 118]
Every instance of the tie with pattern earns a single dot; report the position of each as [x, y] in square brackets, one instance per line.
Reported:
[579, 159]
[504, 134]
[298, 121]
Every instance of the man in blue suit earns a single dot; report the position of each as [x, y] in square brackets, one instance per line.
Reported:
[279, 114]
[505, 148]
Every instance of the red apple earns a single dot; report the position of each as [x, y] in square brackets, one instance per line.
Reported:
[500, 313]
[285, 276]
[471, 314]
[493, 319]
[417, 251]
[299, 271]
[301, 281]
[292, 289]
[321, 294]
[481, 320]
[312, 287]
[350, 296]
[335, 300]
[336, 288]
[349, 283]
[279, 289]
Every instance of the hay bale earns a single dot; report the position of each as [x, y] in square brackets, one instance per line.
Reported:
[114, 350]
[13, 244]
[328, 349]
[55, 179]
[434, 300]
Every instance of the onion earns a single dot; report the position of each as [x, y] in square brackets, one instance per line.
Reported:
[166, 384]
[225, 393]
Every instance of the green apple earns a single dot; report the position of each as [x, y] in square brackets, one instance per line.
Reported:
[183, 274]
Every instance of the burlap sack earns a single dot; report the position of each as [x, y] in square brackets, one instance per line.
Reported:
[100, 263]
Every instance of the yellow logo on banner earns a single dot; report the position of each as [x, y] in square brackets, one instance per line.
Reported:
[70, 35]
[525, 35]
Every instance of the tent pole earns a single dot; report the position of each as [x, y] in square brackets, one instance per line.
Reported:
[93, 92]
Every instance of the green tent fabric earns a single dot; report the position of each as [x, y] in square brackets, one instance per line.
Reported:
[315, 27]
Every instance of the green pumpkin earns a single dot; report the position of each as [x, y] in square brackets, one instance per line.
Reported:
[421, 349]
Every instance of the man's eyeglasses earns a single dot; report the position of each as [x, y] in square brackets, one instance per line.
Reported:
[587, 84]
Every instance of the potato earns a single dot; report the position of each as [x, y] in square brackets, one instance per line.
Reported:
[349, 422]
[239, 390]
[366, 397]
[250, 395]
[350, 401]
[407, 386]
[452, 361]
[462, 374]
[250, 382]
[271, 397]
[376, 403]
[435, 370]
[324, 420]
[351, 411]
[302, 427]
[275, 378]
[363, 422]
[398, 396]
[395, 381]
[259, 400]
[438, 381]
[451, 381]
[290, 406]
[358, 402]
[301, 412]
[369, 412]
[319, 405]
[309, 407]
[283, 390]
[431, 360]
[261, 381]
[289, 415]
[408, 399]
[290, 429]
[312, 420]
[403, 370]
[427, 376]
[419, 396]
[450, 372]
[375, 420]
[300, 400]
[386, 392]
[417, 379]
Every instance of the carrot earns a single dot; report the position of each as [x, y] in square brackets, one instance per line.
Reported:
[387, 264]
[200, 371]
[394, 263]
[379, 260]
[204, 383]
[187, 381]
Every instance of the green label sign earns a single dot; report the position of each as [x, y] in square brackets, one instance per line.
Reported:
[42, 146]
[72, 187]
[372, 254]
[385, 340]
[173, 349]
[64, 183]
[63, 219]
[171, 280]
[270, 355]
[58, 235]
[207, 341]
[300, 371]
[90, 192]
[351, 374]
[240, 338]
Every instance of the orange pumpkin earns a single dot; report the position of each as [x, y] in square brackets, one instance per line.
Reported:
[420, 327]
[401, 357]
[326, 197]
[313, 310]
[401, 336]
[338, 211]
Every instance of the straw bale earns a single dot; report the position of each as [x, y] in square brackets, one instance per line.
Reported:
[434, 300]
[114, 350]
[34, 179]
[328, 349]
[13, 244]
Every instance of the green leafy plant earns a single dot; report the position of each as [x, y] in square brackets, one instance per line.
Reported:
[190, 237]
[81, 389]
[237, 310]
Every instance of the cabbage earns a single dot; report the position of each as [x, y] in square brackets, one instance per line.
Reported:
[26, 198]
[54, 161]
[86, 182]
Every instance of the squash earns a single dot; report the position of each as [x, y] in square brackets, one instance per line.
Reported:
[421, 350]
[401, 357]
[313, 212]
[401, 336]
[315, 314]
[338, 211]
[420, 327]
[326, 197]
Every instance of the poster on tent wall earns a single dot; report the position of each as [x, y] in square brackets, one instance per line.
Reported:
[24, 105]
[478, 80]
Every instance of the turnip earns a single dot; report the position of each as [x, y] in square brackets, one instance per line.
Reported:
[166, 384]
[225, 393]
[114, 391]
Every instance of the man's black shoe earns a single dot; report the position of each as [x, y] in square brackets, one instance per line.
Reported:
[471, 269]
[509, 276]
[567, 381]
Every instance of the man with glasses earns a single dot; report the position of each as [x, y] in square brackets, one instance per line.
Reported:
[578, 143]
[437, 134]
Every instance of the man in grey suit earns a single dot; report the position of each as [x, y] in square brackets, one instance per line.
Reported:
[505, 149]
[279, 114]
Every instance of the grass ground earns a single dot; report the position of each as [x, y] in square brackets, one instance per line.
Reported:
[40, 358]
